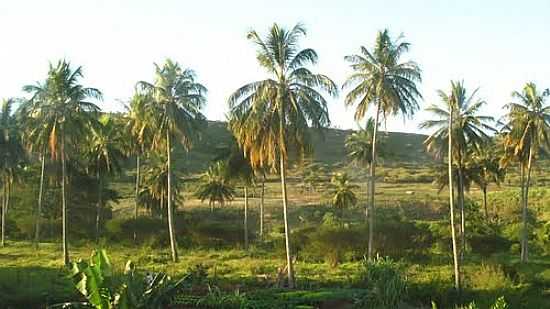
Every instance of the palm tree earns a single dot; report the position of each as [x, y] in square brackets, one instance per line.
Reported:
[486, 170]
[66, 115]
[468, 134]
[11, 154]
[177, 102]
[269, 115]
[381, 80]
[215, 186]
[140, 135]
[343, 196]
[104, 156]
[528, 121]
[35, 137]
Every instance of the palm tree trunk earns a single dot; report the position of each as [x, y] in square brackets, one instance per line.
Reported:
[370, 212]
[462, 213]
[64, 202]
[246, 218]
[40, 194]
[99, 203]
[452, 210]
[282, 166]
[525, 230]
[169, 198]
[4, 202]
[136, 196]
[262, 208]
[485, 204]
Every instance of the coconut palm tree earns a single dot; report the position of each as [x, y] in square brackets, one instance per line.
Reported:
[104, 156]
[139, 130]
[215, 187]
[11, 154]
[270, 115]
[486, 170]
[177, 100]
[469, 132]
[382, 81]
[66, 113]
[35, 137]
[343, 196]
[528, 121]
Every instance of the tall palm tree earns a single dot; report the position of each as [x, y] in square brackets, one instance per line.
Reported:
[66, 114]
[343, 196]
[382, 81]
[269, 115]
[469, 133]
[528, 121]
[177, 100]
[104, 156]
[456, 263]
[11, 154]
[140, 135]
[35, 137]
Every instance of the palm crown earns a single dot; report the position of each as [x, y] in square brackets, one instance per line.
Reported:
[287, 102]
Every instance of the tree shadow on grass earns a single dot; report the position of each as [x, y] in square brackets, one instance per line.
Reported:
[34, 287]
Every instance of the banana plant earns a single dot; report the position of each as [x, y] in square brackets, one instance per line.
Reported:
[94, 280]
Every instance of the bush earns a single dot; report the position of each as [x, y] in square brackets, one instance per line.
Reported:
[145, 228]
[384, 281]
[490, 278]
[216, 234]
[336, 243]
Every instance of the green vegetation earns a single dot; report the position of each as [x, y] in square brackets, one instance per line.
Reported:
[289, 229]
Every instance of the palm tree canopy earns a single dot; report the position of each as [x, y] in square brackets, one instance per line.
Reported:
[527, 122]
[468, 128]
[105, 146]
[139, 126]
[60, 106]
[215, 185]
[176, 102]
[290, 97]
[11, 149]
[379, 77]
[343, 195]
[359, 145]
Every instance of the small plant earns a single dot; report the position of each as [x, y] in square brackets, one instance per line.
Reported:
[383, 279]
[95, 281]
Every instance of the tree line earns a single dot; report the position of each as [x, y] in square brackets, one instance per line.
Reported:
[270, 119]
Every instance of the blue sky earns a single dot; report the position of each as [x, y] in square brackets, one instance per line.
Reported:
[494, 45]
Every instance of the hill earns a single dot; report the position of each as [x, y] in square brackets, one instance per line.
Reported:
[329, 148]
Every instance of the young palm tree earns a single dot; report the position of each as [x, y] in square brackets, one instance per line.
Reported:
[177, 100]
[382, 81]
[343, 196]
[66, 115]
[468, 134]
[486, 170]
[104, 156]
[528, 121]
[215, 186]
[269, 115]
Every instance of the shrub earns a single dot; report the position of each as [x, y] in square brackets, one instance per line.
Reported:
[216, 234]
[489, 277]
[145, 228]
[384, 281]
[336, 243]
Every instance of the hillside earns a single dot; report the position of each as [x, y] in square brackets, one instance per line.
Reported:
[328, 148]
